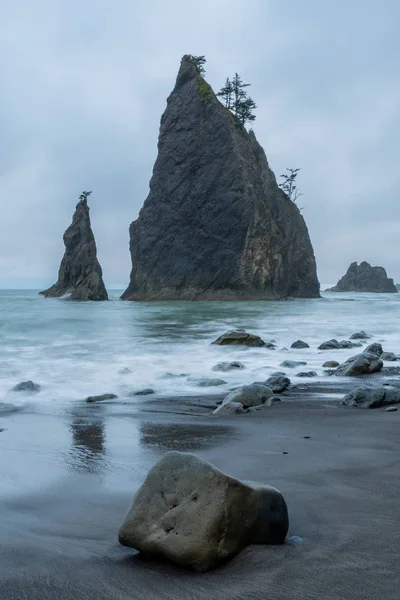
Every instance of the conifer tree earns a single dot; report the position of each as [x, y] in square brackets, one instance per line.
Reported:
[199, 62]
[236, 99]
[288, 184]
[226, 93]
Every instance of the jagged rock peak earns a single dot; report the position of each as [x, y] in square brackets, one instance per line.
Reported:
[80, 276]
[215, 225]
[364, 278]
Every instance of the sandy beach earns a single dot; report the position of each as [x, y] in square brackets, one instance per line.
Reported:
[68, 478]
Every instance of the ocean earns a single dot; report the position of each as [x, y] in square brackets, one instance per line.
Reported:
[73, 350]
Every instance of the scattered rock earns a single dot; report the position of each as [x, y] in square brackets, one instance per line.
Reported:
[239, 337]
[292, 364]
[364, 278]
[189, 512]
[360, 335]
[80, 275]
[388, 356]
[307, 437]
[391, 409]
[101, 397]
[210, 382]
[125, 371]
[226, 410]
[228, 366]
[369, 397]
[374, 348]
[250, 395]
[278, 383]
[26, 386]
[360, 364]
[299, 344]
[347, 344]
[307, 374]
[335, 345]
[144, 392]
[278, 374]
[331, 364]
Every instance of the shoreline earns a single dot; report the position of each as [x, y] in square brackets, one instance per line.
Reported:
[69, 477]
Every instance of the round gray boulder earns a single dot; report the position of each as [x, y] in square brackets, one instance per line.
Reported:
[239, 337]
[194, 515]
[227, 410]
[360, 364]
[299, 344]
[331, 364]
[254, 394]
[26, 386]
[228, 366]
[374, 348]
[390, 356]
[278, 383]
[369, 397]
[360, 335]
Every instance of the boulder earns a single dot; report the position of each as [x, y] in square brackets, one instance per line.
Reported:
[330, 345]
[101, 397]
[364, 278]
[292, 364]
[278, 383]
[374, 349]
[360, 335]
[227, 410]
[144, 392]
[124, 371]
[360, 364]
[331, 364]
[254, 394]
[215, 225]
[239, 337]
[228, 366]
[372, 397]
[388, 356]
[26, 386]
[80, 276]
[209, 382]
[306, 374]
[189, 512]
[299, 344]
[348, 344]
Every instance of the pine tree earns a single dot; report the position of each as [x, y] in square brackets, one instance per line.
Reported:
[199, 62]
[84, 196]
[289, 186]
[245, 110]
[226, 93]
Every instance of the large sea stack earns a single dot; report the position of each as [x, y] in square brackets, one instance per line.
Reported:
[364, 278]
[215, 225]
[80, 276]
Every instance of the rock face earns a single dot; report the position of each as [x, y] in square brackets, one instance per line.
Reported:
[364, 278]
[80, 275]
[193, 514]
[215, 225]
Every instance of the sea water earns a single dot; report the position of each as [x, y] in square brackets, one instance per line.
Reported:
[73, 350]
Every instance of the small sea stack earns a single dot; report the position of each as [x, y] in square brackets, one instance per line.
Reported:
[80, 276]
[364, 278]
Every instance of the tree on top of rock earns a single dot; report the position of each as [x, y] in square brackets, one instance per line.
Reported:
[237, 100]
[199, 62]
[84, 196]
[288, 184]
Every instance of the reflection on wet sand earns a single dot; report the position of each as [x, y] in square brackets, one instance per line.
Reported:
[88, 444]
[183, 437]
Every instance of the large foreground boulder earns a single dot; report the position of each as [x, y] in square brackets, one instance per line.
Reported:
[215, 225]
[193, 514]
[369, 397]
[80, 276]
[360, 364]
[364, 278]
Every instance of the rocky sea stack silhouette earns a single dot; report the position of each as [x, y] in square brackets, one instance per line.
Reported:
[80, 276]
[215, 225]
[364, 278]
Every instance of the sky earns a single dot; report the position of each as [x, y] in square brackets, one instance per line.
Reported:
[84, 84]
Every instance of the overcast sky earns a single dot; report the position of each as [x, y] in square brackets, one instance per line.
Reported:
[84, 83]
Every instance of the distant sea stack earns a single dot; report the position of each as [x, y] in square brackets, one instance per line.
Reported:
[364, 278]
[80, 275]
[215, 225]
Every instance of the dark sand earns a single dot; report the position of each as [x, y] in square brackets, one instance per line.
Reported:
[67, 480]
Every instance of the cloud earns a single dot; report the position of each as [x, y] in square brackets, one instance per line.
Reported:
[85, 83]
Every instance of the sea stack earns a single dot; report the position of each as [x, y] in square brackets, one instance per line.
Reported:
[80, 276]
[215, 225]
[364, 278]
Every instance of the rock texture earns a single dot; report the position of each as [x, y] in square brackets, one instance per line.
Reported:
[215, 225]
[80, 276]
[364, 278]
[193, 514]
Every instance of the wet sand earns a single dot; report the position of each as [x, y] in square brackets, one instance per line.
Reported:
[68, 477]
